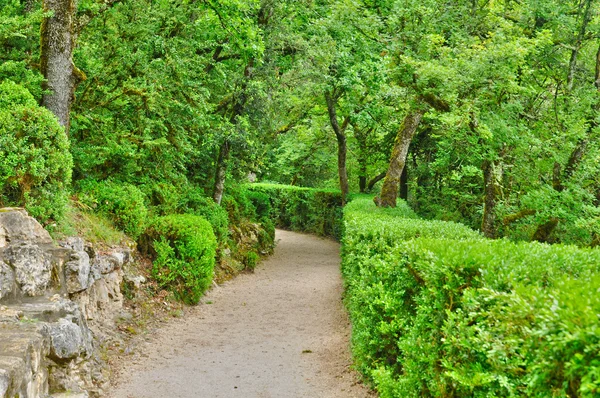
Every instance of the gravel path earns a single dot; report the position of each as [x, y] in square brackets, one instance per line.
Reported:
[280, 332]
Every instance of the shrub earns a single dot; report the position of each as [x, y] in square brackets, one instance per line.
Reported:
[251, 260]
[163, 198]
[261, 203]
[35, 162]
[194, 202]
[300, 209]
[438, 311]
[123, 203]
[238, 205]
[184, 248]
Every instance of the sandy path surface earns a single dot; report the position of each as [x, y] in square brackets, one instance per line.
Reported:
[278, 333]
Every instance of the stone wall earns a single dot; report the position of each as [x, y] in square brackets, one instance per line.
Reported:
[56, 301]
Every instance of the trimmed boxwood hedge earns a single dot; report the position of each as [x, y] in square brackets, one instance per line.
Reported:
[438, 311]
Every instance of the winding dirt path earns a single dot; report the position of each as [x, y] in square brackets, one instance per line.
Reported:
[281, 332]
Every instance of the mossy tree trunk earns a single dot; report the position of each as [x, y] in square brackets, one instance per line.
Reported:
[404, 183]
[331, 97]
[237, 110]
[221, 172]
[57, 42]
[492, 175]
[237, 106]
[390, 188]
[361, 136]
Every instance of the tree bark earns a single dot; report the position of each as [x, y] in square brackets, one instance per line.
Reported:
[237, 109]
[542, 233]
[361, 139]
[490, 177]
[389, 191]
[340, 135]
[221, 172]
[587, 16]
[375, 180]
[57, 42]
[404, 183]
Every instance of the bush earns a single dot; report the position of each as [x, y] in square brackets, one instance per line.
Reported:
[123, 203]
[184, 248]
[300, 209]
[238, 205]
[438, 311]
[193, 202]
[35, 162]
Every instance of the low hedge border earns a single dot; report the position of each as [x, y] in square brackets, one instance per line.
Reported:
[439, 311]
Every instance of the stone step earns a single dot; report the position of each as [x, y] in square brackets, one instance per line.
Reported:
[22, 352]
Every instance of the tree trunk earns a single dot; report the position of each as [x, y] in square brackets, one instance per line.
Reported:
[542, 233]
[362, 159]
[404, 183]
[374, 181]
[237, 109]
[342, 150]
[491, 178]
[362, 182]
[587, 16]
[340, 135]
[57, 42]
[221, 172]
[389, 191]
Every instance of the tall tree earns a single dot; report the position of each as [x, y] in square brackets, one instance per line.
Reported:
[57, 43]
[331, 98]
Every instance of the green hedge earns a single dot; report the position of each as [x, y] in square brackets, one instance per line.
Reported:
[437, 311]
[184, 248]
[299, 209]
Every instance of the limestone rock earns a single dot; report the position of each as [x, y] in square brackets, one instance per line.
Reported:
[4, 382]
[134, 281]
[74, 243]
[102, 299]
[77, 272]
[68, 340]
[105, 264]
[32, 266]
[7, 280]
[22, 371]
[70, 395]
[17, 226]
[3, 243]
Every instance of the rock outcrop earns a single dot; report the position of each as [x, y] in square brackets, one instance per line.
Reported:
[53, 301]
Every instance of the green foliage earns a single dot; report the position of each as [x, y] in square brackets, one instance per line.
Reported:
[251, 260]
[35, 163]
[193, 202]
[438, 311]
[166, 199]
[184, 248]
[238, 204]
[302, 209]
[123, 203]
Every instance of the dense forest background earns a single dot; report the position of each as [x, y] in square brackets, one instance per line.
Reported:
[154, 107]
